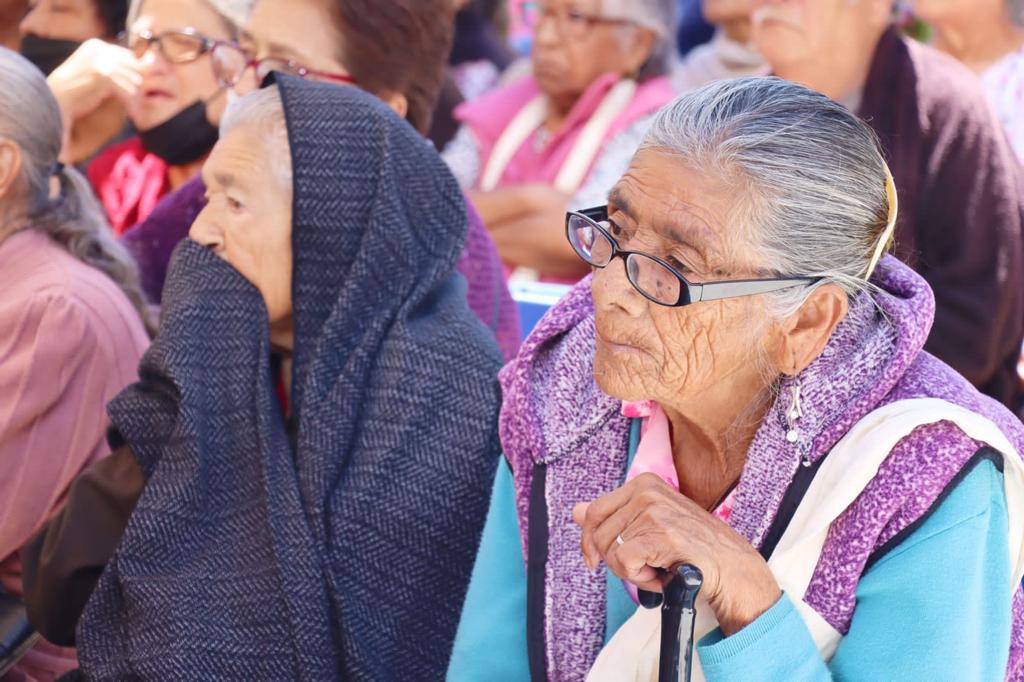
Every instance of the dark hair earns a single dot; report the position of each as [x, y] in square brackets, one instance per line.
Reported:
[494, 11]
[113, 14]
[398, 46]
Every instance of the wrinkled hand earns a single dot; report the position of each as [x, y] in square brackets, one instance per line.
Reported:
[662, 529]
[94, 74]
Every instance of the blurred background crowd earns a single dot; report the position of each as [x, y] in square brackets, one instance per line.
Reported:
[537, 108]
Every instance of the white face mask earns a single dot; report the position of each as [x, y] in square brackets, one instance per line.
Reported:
[233, 96]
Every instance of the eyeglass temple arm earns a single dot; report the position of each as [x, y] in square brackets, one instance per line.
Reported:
[749, 287]
[597, 214]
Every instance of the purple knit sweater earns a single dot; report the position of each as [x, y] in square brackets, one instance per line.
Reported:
[554, 414]
[153, 240]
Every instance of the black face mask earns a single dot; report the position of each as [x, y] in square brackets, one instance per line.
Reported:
[47, 53]
[185, 137]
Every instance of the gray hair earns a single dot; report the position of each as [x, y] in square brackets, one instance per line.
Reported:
[1016, 10]
[30, 117]
[234, 12]
[811, 175]
[658, 16]
[264, 110]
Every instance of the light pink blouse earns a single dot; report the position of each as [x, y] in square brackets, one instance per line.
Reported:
[69, 342]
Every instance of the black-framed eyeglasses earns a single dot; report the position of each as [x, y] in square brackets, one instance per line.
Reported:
[230, 62]
[651, 276]
[179, 46]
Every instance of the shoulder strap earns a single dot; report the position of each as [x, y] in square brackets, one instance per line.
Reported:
[536, 571]
[855, 461]
[524, 124]
[592, 139]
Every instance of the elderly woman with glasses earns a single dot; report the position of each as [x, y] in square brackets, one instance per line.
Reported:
[741, 386]
[560, 137]
[163, 81]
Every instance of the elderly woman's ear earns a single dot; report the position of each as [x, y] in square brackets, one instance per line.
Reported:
[801, 337]
[640, 43]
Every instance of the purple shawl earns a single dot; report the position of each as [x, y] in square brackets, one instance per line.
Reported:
[153, 240]
[555, 414]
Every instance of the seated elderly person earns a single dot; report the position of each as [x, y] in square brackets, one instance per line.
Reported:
[987, 36]
[728, 55]
[562, 136]
[165, 83]
[959, 181]
[749, 363]
[72, 320]
[334, 541]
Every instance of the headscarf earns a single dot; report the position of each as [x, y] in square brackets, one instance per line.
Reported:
[342, 551]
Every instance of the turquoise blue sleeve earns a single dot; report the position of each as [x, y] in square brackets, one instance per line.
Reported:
[620, 606]
[491, 640]
[936, 607]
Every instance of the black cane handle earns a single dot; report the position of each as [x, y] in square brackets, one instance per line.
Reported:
[678, 611]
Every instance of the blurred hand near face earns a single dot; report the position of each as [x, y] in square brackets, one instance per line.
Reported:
[93, 89]
[95, 73]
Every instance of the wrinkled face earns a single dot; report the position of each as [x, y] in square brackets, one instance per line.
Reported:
[571, 50]
[791, 32]
[304, 32]
[719, 11]
[76, 20]
[168, 88]
[646, 351]
[248, 218]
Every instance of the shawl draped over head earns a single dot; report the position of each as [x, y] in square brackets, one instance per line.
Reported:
[342, 552]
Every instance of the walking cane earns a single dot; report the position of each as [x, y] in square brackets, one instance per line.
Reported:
[678, 617]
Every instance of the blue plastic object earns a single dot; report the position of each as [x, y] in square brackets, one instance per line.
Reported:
[533, 300]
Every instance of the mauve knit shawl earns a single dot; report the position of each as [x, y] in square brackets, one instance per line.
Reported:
[346, 555]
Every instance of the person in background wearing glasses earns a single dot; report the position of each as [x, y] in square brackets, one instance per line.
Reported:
[741, 386]
[562, 136]
[394, 49]
[164, 82]
[72, 316]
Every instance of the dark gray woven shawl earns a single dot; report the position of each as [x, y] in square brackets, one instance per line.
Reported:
[346, 556]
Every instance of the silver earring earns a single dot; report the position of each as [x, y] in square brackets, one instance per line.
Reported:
[793, 415]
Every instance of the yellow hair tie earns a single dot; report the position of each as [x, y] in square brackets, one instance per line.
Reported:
[887, 236]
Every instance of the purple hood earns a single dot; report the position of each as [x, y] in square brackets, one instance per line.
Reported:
[555, 414]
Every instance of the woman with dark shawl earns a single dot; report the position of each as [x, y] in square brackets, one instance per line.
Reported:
[335, 543]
